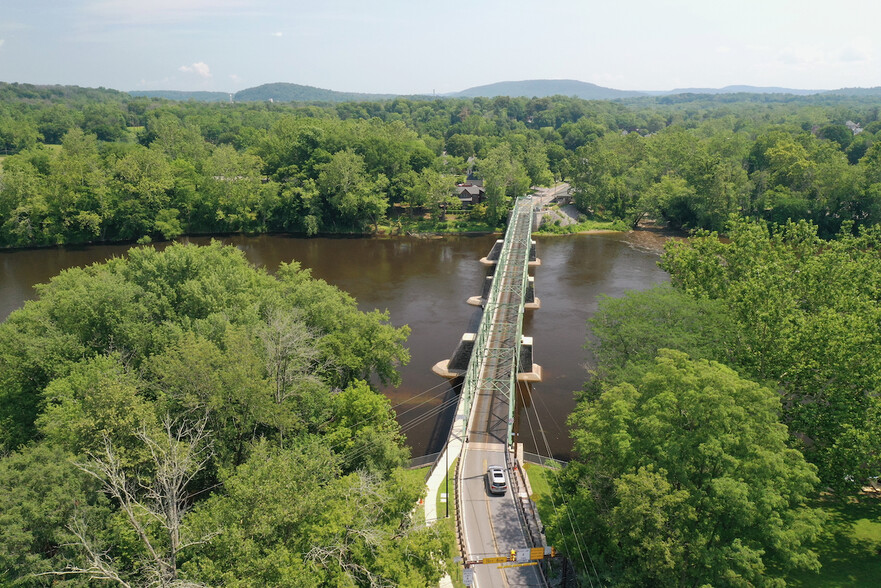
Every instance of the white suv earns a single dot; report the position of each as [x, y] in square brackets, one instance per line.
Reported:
[495, 476]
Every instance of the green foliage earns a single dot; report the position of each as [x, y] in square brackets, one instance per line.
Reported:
[41, 494]
[805, 312]
[275, 535]
[363, 430]
[628, 332]
[147, 304]
[161, 375]
[689, 161]
[505, 178]
[97, 402]
[684, 477]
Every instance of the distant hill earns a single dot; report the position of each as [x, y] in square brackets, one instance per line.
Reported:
[544, 88]
[284, 92]
[56, 93]
[738, 90]
[183, 96]
[876, 91]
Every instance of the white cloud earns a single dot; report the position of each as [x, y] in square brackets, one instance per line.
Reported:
[802, 56]
[235, 78]
[199, 68]
[859, 49]
[277, 34]
[2, 41]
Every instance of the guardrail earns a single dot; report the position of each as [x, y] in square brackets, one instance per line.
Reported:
[519, 222]
[460, 506]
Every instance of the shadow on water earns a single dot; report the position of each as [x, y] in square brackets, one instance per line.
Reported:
[437, 435]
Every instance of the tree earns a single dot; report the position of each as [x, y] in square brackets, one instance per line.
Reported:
[141, 184]
[235, 196]
[153, 509]
[223, 380]
[360, 345]
[504, 178]
[17, 135]
[106, 120]
[837, 133]
[363, 430]
[805, 311]
[351, 194]
[293, 362]
[275, 534]
[97, 401]
[23, 205]
[684, 478]
[41, 492]
[78, 201]
[607, 179]
[437, 191]
[628, 332]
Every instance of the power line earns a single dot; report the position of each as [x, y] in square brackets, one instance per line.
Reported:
[576, 534]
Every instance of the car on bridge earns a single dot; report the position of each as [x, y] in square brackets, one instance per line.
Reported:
[495, 477]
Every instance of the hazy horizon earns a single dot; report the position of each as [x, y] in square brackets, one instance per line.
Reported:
[397, 47]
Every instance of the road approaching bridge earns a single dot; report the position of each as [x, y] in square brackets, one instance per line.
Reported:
[492, 525]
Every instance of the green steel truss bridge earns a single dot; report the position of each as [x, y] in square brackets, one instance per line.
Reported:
[492, 526]
[492, 370]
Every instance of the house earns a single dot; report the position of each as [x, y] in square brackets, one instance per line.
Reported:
[854, 127]
[471, 192]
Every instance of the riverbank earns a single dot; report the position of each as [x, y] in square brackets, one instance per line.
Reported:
[403, 226]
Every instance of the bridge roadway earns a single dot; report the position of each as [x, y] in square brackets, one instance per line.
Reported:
[492, 524]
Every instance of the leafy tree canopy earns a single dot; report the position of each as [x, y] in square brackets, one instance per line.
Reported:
[684, 478]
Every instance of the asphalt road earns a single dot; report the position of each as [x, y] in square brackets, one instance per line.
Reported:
[491, 521]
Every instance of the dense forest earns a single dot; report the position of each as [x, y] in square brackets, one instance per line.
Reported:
[181, 418]
[86, 165]
[729, 412]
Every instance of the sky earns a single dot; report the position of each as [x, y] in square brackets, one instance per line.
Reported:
[420, 47]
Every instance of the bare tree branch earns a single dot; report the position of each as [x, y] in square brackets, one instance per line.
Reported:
[99, 566]
[178, 456]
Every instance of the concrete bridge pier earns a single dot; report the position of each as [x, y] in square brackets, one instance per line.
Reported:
[531, 301]
[457, 365]
[492, 258]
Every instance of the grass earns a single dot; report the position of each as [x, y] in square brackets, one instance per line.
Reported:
[541, 489]
[442, 506]
[586, 225]
[850, 553]
[418, 475]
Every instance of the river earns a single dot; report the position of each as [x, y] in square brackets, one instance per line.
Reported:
[424, 283]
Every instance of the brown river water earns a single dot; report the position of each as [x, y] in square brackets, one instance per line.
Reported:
[424, 283]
